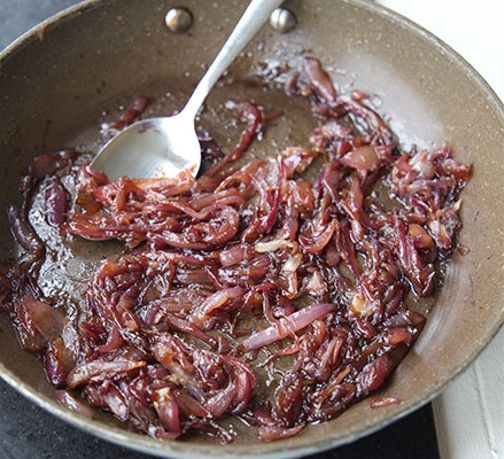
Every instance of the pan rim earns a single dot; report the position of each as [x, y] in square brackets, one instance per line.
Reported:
[186, 450]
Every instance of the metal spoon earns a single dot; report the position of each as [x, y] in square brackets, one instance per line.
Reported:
[163, 147]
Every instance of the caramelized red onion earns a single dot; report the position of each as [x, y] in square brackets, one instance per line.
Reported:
[274, 433]
[286, 326]
[241, 268]
[23, 233]
[99, 369]
[384, 402]
[56, 202]
[70, 402]
[132, 112]
[46, 320]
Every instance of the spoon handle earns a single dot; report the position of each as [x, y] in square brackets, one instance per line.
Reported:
[251, 21]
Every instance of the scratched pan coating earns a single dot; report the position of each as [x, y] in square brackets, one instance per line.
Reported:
[93, 56]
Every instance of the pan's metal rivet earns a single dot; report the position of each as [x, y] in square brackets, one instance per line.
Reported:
[283, 20]
[178, 19]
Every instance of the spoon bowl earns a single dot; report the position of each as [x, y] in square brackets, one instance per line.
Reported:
[155, 147]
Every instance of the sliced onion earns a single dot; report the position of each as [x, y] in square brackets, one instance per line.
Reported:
[296, 160]
[293, 263]
[218, 299]
[109, 395]
[188, 327]
[114, 341]
[361, 158]
[383, 402]
[423, 165]
[274, 433]
[189, 405]
[274, 245]
[221, 402]
[319, 79]
[48, 321]
[49, 163]
[316, 286]
[168, 410]
[316, 242]
[287, 326]
[100, 368]
[234, 255]
[67, 400]
[56, 202]
[421, 239]
[23, 232]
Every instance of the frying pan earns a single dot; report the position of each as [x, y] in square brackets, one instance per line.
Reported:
[56, 80]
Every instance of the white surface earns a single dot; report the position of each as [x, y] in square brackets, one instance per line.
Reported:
[469, 415]
[474, 29]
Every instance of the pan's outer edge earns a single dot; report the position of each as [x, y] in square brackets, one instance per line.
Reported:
[177, 449]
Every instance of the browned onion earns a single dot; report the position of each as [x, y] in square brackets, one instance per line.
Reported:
[286, 326]
[100, 368]
[68, 401]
